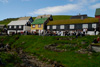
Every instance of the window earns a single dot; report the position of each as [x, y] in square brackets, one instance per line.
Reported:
[33, 26]
[85, 25]
[9, 26]
[71, 26]
[54, 27]
[14, 26]
[48, 27]
[93, 25]
[61, 26]
[39, 25]
[19, 26]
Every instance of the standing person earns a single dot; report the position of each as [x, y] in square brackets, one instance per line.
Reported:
[95, 31]
[98, 39]
[84, 30]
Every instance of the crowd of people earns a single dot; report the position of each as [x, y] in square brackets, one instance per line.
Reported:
[76, 33]
[67, 33]
[96, 40]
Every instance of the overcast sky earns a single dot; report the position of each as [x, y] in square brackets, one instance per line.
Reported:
[21, 8]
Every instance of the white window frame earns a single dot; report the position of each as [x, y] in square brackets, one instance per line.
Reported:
[54, 27]
[94, 25]
[20, 27]
[85, 26]
[48, 27]
[9, 26]
[14, 26]
[39, 25]
[33, 26]
[72, 26]
[62, 26]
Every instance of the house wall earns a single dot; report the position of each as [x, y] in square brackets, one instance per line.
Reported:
[17, 27]
[97, 17]
[27, 28]
[76, 27]
[36, 27]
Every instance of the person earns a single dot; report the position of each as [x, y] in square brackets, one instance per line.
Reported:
[95, 41]
[84, 30]
[66, 32]
[98, 39]
[95, 31]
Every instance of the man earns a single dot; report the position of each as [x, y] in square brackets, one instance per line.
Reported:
[95, 31]
[84, 30]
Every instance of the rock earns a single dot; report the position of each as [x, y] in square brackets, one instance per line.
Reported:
[82, 51]
[23, 64]
[83, 42]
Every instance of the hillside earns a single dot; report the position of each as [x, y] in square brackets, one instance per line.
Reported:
[61, 17]
[68, 57]
[6, 21]
[56, 17]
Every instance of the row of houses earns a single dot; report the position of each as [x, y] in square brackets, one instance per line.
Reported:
[46, 22]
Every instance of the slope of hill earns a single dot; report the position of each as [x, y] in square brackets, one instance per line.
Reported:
[6, 21]
[70, 58]
[55, 17]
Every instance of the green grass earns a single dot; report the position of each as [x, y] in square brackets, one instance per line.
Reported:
[61, 17]
[9, 60]
[6, 21]
[57, 17]
[35, 45]
[73, 21]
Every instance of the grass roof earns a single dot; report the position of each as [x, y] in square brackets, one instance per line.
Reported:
[61, 17]
[39, 21]
[24, 18]
[73, 21]
[97, 12]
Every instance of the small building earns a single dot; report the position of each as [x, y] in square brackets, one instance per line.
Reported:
[40, 23]
[2, 26]
[97, 13]
[79, 17]
[74, 24]
[21, 25]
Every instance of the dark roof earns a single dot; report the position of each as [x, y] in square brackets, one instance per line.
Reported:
[79, 17]
[97, 12]
[73, 21]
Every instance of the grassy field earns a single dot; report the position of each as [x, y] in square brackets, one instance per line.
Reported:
[35, 45]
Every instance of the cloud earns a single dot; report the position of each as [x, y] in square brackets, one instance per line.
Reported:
[4, 1]
[57, 9]
[78, 6]
[95, 6]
